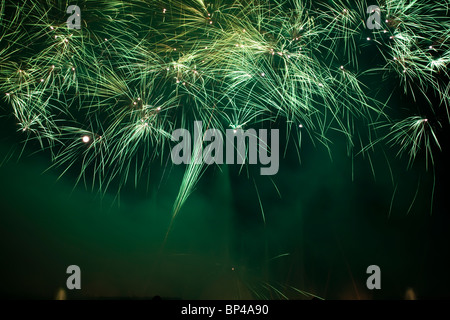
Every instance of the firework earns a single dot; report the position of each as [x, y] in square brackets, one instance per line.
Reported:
[105, 98]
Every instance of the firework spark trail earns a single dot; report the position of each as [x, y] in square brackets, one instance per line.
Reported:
[106, 98]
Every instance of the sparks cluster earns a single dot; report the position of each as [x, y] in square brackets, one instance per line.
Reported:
[107, 96]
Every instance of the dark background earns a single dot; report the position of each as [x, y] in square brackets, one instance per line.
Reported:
[331, 228]
[319, 237]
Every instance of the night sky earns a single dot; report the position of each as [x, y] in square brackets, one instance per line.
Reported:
[314, 227]
[332, 228]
